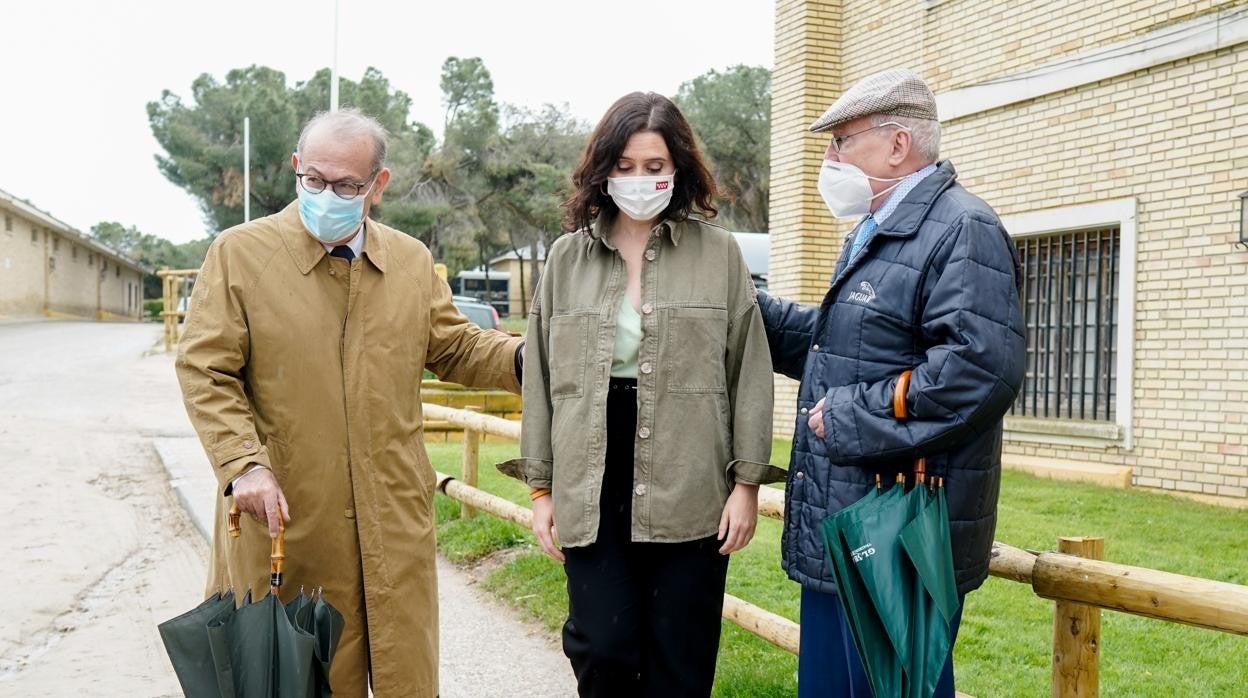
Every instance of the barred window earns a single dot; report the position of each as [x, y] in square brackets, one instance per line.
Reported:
[1070, 300]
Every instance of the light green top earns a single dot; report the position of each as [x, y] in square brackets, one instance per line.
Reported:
[627, 340]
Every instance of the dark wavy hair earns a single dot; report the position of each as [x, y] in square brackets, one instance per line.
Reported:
[635, 112]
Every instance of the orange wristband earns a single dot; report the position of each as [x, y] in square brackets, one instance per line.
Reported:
[538, 493]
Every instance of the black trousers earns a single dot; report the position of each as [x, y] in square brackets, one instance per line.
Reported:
[644, 618]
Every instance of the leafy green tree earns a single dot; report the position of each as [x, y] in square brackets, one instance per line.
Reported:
[494, 182]
[529, 169]
[203, 140]
[151, 251]
[731, 115]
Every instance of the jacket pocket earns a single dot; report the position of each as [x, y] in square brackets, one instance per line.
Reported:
[695, 350]
[279, 457]
[567, 351]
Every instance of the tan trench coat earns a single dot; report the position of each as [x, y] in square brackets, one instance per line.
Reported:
[311, 365]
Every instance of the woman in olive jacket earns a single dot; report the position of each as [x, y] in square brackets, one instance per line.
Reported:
[647, 407]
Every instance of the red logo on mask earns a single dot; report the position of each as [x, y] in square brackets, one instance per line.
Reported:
[660, 186]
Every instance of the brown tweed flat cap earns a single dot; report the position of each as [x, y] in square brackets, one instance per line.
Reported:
[900, 92]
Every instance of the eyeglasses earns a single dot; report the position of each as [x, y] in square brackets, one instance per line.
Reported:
[838, 142]
[315, 184]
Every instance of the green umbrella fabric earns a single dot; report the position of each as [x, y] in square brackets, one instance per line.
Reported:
[925, 541]
[264, 653]
[882, 666]
[186, 641]
[262, 649]
[899, 601]
[871, 536]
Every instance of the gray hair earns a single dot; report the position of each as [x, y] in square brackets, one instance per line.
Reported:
[924, 133]
[347, 124]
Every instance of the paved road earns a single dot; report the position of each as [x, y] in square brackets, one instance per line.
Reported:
[98, 546]
[95, 549]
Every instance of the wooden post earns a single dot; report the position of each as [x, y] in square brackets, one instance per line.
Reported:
[167, 308]
[1077, 633]
[472, 449]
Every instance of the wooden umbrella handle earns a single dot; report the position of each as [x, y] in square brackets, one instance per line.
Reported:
[277, 558]
[901, 412]
[235, 525]
[900, 391]
[277, 552]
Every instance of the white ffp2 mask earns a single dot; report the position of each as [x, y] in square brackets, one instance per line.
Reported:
[641, 198]
[847, 190]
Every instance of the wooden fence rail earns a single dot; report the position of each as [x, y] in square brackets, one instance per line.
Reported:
[1073, 577]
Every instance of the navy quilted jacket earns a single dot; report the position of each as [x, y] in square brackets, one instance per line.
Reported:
[935, 290]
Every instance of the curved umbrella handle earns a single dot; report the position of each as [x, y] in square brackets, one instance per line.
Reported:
[901, 412]
[277, 552]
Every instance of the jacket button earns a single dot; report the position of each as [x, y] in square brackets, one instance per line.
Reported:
[647, 308]
[803, 411]
[349, 513]
[651, 254]
[644, 432]
[248, 443]
[333, 273]
[640, 490]
[815, 347]
[800, 475]
[646, 368]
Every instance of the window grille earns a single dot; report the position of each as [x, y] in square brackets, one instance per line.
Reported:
[1070, 301]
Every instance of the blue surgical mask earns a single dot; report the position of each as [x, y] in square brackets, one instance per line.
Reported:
[330, 217]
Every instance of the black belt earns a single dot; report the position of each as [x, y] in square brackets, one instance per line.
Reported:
[623, 384]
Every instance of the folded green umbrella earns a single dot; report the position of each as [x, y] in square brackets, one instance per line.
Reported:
[925, 541]
[262, 649]
[883, 668]
[893, 565]
[264, 653]
[186, 641]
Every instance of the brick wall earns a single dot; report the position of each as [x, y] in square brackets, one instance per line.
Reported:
[1173, 137]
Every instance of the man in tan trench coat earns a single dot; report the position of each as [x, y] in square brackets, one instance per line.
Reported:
[300, 368]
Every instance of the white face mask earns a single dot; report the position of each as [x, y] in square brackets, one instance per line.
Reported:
[847, 190]
[641, 198]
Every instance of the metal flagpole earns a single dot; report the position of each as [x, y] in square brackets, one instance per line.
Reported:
[246, 168]
[333, 71]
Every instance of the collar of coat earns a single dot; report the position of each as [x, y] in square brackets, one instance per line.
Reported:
[598, 231]
[910, 213]
[307, 251]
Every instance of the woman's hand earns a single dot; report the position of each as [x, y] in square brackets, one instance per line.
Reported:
[544, 526]
[736, 525]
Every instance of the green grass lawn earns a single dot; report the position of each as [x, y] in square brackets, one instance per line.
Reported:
[514, 323]
[1004, 646]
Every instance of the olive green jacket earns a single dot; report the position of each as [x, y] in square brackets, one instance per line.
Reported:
[704, 393]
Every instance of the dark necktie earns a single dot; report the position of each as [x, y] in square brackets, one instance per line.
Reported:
[342, 252]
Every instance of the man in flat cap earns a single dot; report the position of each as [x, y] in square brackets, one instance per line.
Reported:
[927, 286]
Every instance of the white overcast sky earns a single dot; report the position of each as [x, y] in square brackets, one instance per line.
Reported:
[77, 74]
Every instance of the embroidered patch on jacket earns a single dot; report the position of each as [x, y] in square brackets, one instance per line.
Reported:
[865, 294]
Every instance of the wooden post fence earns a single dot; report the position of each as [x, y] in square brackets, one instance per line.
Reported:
[472, 450]
[1077, 633]
[1074, 577]
[171, 296]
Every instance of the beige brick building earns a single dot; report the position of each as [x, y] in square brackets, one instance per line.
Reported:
[1112, 137]
[48, 268]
